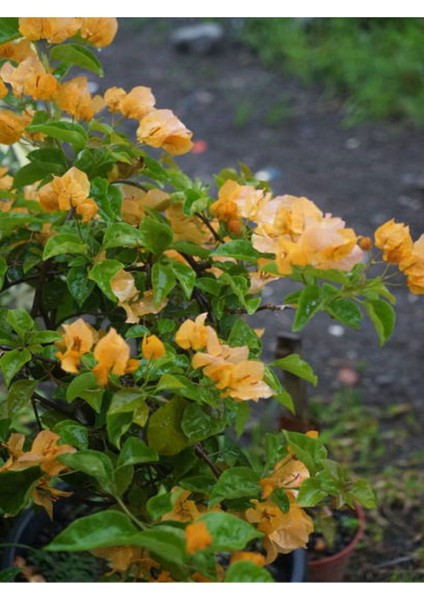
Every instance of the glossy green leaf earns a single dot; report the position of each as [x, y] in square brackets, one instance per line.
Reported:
[238, 249]
[159, 505]
[244, 571]
[117, 425]
[64, 131]
[102, 273]
[135, 451]
[383, 317]
[16, 487]
[30, 173]
[164, 433]
[79, 285]
[95, 464]
[310, 451]
[198, 483]
[198, 425]
[345, 311]
[122, 235]
[310, 493]
[9, 29]
[191, 249]
[12, 362]
[19, 395]
[85, 386]
[78, 55]
[361, 491]
[44, 337]
[163, 281]
[64, 243]
[72, 433]
[237, 482]
[20, 321]
[101, 530]
[156, 236]
[309, 303]
[296, 365]
[242, 334]
[165, 542]
[228, 531]
[127, 401]
[185, 276]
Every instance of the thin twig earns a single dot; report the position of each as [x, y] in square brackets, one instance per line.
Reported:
[200, 452]
[209, 226]
[130, 182]
[394, 561]
[272, 307]
[36, 415]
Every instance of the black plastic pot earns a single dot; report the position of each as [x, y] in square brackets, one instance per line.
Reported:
[287, 568]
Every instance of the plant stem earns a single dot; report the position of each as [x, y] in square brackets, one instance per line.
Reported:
[201, 452]
[129, 513]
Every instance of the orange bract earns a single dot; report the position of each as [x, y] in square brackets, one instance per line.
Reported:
[162, 129]
[137, 103]
[12, 126]
[113, 356]
[197, 537]
[99, 31]
[395, 241]
[78, 339]
[74, 98]
[53, 29]
[152, 347]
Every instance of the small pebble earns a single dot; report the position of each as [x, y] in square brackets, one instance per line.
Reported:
[336, 330]
[352, 143]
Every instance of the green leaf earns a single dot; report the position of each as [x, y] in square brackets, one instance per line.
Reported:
[163, 281]
[20, 321]
[228, 532]
[197, 425]
[237, 482]
[117, 425]
[310, 451]
[85, 386]
[95, 464]
[44, 337]
[101, 530]
[281, 499]
[245, 571]
[29, 174]
[19, 395]
[72, 433]
[242, 334]
[102, 273]
[135, 452]
[186, 277]
[238, 249]
[16, 487]
[164, 433]
[309, 303]
[165, 542]
[64, 131]
[243, 413]
[12, 362]
[198, 483]
[156, 236]
[9, 574]
[310, 493]
[107, 196]
[191, 249]
[3, 271]
[127, 401]
[9, 29]
[78, 55]
[361, 491]
[122, 235]
[345, 311]
[159, 505]
[296, 365]
[64, 243]
[136, 331]
[79, 285]
[383, 317]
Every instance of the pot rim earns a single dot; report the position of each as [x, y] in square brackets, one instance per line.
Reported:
[328, 560]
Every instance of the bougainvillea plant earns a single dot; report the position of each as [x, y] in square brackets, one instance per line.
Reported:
[134, 356]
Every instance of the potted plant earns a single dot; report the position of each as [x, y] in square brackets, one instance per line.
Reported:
[135, 356]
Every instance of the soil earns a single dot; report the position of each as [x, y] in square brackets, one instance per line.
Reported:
[241, 111]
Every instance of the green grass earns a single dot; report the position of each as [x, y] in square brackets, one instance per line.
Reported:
[375, 66]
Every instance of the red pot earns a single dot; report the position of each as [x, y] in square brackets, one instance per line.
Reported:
[332, 568]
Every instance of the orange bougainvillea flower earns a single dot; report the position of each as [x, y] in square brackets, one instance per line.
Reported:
[237, 201]
[44, 453]
[152, 347]
[74, 98]
[135, 201]
[137, 103]
[3, 89]
[44, 495]
[284, 532]
[254, 557]
[113, 356]
[184, 509]
[113, 97]
[289, 473]
[187, 228]
[30, 78]
[162, 129]
[79, 337]
[395, 241]
[71, 190]
[53, 29]
[6, 181]
[99, 31]
[193, 335]
[12, 126]
[413, 267]
[197, 537]
[16, 51]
